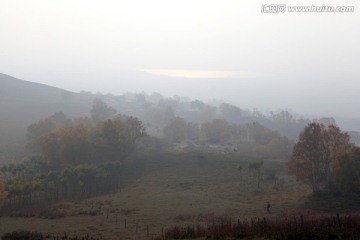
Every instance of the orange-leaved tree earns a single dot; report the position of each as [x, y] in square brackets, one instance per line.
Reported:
[315, 155]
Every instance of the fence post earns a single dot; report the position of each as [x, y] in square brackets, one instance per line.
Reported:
[116, 218]
[302, 221]
[264, 224]
[147, 230]
[125, 223]
[338, 220]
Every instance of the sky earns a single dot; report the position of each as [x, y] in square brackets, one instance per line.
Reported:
[226, 50]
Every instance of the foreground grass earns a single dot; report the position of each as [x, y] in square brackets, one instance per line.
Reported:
[162, 190]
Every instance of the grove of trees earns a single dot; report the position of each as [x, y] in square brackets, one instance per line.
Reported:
[72, 158]
[250, 137]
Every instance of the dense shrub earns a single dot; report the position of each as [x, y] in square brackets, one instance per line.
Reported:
[22, 235]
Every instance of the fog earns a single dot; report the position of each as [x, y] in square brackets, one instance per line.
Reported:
[231, 51]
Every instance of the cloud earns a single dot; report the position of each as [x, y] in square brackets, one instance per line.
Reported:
[184, 73]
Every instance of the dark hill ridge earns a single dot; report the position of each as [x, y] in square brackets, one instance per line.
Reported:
[11, 86]
[23, 102]
[35, 99]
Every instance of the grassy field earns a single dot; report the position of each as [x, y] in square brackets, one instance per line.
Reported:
[165, 189]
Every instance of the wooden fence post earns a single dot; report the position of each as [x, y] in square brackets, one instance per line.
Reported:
[264, 221]
[338, 220]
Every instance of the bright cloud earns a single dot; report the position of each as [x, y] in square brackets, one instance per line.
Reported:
[201, 73]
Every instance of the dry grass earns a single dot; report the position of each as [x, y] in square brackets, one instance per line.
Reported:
[163, 190]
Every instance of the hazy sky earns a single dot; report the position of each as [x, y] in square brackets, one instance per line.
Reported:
[205, 49]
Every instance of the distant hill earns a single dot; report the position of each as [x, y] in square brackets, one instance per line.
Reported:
[23, 102]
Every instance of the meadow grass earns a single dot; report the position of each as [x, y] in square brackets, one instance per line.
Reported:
[161, 190]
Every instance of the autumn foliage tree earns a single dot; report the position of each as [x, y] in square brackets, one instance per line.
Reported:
[43, 127]
[101, 111]
[175, 130]
[97, 143]
[316, 155]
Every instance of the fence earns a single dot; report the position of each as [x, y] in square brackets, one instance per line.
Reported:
[294, 227]
[316, 226]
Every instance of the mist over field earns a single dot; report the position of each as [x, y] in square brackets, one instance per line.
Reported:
[306, 62]
[179, 119]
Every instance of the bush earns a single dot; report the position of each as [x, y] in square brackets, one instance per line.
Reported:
[22, 235]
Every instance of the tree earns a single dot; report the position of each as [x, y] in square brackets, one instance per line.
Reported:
[231, 113]
[110, 140]
[130, 129]
[3, 193]
[347, 170]
[216, 130]
[255, 169]
[100, 111]
[71, 145]
[240, 169]
[315, 153]
[207, 114]
[160, 116]
[260, 134]
[176, 130]
[336, 143]
[43, 127]
[197, 104]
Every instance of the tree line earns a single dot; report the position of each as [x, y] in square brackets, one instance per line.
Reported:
[158, 113]
[249, 137]
[70, 158]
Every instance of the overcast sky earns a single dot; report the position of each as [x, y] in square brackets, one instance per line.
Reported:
[229, 50]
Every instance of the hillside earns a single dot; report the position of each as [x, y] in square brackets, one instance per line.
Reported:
[201, 163]
[22, 103]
